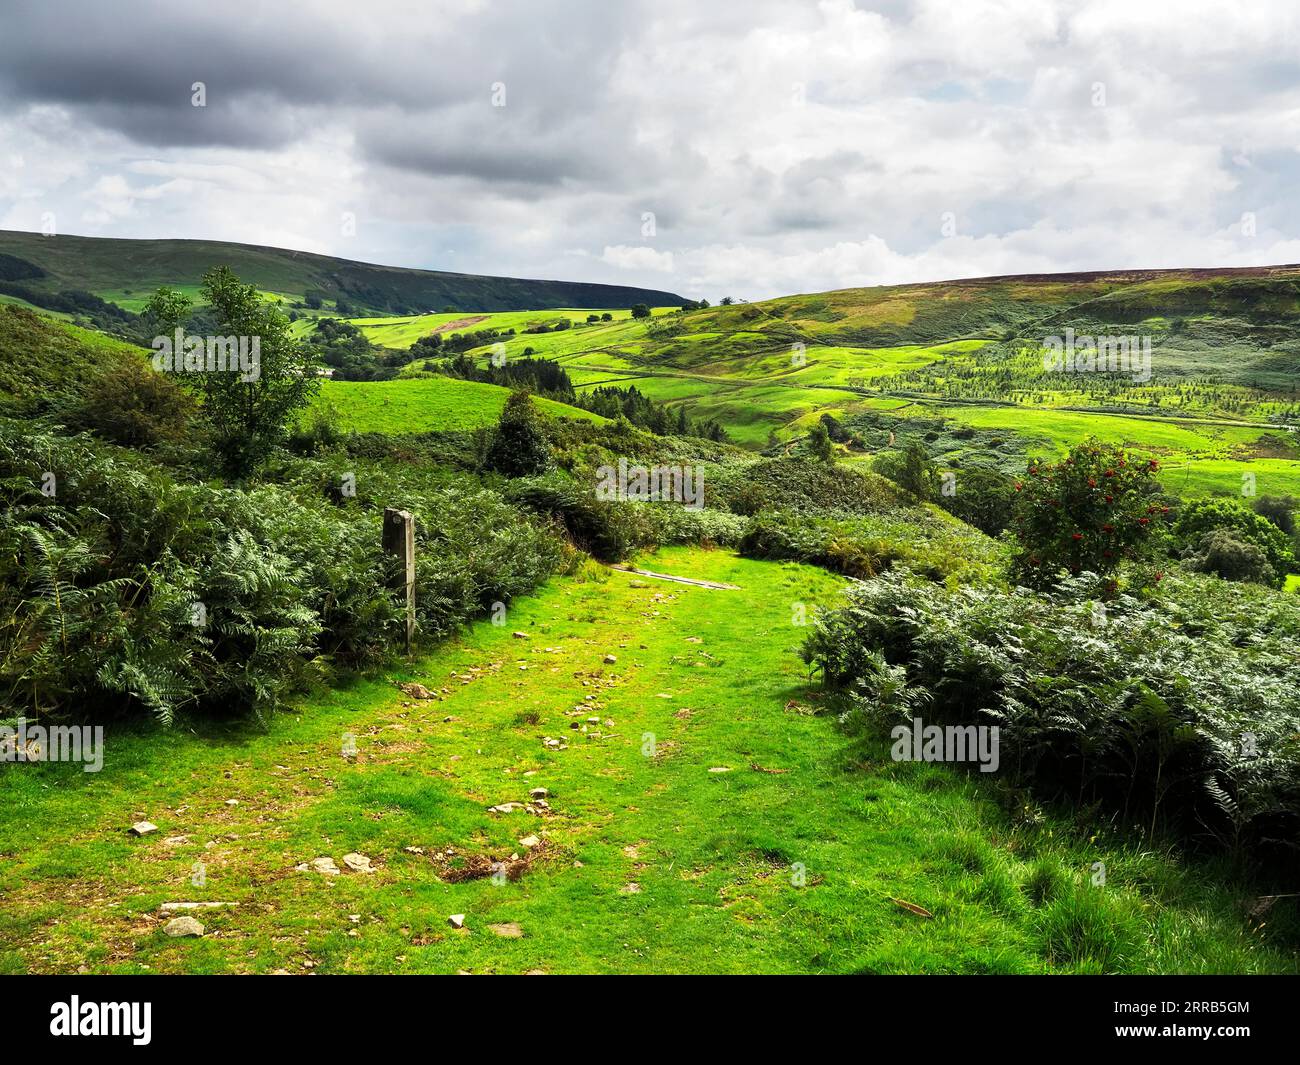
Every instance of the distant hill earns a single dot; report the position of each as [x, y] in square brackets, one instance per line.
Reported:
[125, 272]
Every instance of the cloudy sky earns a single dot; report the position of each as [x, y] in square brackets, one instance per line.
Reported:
[736, 148]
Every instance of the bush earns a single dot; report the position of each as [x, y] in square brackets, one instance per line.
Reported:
[606, 529]
[519, 447]
[863, 547]
[124, 591]
[1280, 510]
[134, 405]
[1206, 515]
[1088, 513]
[984, 498]
[1181, 712]
[1223, 553]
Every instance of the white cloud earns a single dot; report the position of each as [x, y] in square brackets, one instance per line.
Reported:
[781, 147]
[638, 258]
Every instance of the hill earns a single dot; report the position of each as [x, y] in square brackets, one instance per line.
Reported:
[960, 364]
[125, 272]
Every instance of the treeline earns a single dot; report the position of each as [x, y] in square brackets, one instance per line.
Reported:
[82, 304]
[643, 412]
[538, 376]
[438, 344]
[343, 347]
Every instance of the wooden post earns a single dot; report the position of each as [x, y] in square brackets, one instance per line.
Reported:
[399, 541]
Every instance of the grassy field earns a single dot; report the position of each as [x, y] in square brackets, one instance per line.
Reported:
[1224, 365]
[701, 818]
[424, 404]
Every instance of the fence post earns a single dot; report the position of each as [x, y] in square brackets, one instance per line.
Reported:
[399, 541]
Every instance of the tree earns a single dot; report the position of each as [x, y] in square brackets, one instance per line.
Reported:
[1205, 515]
[1280, 510]
[836, 429]
[251, 405]
[640, 310]
[518, 448]
[917, 474]
[726, 301]
[983, 498]
[819, 443]
[1090, 512]
[1225, 553]
[607, 317]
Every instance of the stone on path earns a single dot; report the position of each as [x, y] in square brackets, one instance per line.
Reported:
[325, 865]
[183, 926]
[530, 842]
[416, 691]
[456, 920]
[143, 828]
[610, 659]
[357, 863]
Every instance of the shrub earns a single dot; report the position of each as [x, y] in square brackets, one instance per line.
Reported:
[1088, 513]
[1280, 510]
[1223, 553]
[984, 498]
[519, 447]
[1206, 515]
[1181, 712]
[819, 443]
[134, 405]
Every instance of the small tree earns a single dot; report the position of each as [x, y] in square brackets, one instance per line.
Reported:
[250, 413]
[519, 447]
[1280, 510]
[640, 310]
[1088, 513]
[918, 474]
[819, 443]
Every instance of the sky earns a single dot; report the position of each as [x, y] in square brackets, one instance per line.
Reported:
[746, 149]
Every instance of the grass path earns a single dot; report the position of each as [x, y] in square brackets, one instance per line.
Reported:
[707, 820]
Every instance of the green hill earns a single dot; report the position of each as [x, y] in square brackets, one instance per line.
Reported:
[125, 272]
[962, 363]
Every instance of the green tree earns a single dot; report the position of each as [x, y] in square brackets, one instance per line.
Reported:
[518, 448]
[983, 498]
[917, 474]
[1206, 515]
[1090, 512]
[251, 406]
[819, 443]
[640, 310]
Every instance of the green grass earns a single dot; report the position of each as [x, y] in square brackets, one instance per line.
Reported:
[794, 860]
[425, 405]
[402, 332]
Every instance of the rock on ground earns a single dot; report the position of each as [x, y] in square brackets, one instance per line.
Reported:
[183, 926]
